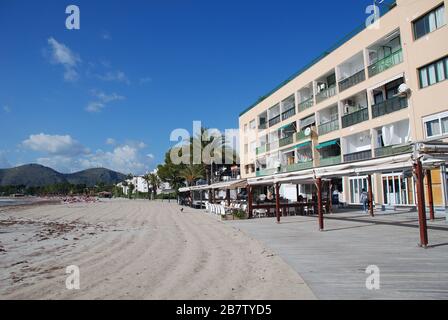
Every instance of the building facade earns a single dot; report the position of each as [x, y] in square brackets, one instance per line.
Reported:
[383, 88]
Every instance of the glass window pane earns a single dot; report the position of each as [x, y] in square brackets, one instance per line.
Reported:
[432, 22]
[445, 125]
[446, 67]
[423, 78]
[432, 128]
[432, 74]
[440, 71]
[440, 16]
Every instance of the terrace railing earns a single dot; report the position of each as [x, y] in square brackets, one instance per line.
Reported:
[300, 136]
[298, 166]
[386, 63]
[266, 172]
[355, 117]
[286, 141]
[352, 80]
[329, 161]
[389, 106]
[328, 127]
[289, 113]
[325, 94]
[306, 104]
[392, 150]
[358, 156]
[262, 126]
[263, 149]
[274, 121]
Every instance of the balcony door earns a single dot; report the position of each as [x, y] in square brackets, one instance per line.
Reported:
[398, 190]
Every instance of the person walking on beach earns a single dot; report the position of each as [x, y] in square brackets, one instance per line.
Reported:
[364, 199]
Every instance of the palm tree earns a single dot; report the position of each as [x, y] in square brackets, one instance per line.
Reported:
[191, 174]
[153, 182]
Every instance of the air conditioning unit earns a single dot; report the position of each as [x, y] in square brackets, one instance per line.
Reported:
[403, 90]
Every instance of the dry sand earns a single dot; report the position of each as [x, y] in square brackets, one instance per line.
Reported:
[136, 250]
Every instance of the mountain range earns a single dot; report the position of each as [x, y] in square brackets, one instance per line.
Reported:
[34, 175]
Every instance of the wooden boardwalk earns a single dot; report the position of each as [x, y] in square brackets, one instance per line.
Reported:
[333, 263]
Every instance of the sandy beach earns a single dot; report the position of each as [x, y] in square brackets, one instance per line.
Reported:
[136, 250]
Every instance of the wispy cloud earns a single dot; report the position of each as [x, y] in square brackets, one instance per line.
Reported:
[145, 80]
[111, 141]
[6, 109]
[62, 55]
[116, 76]
[101, 100]
[105, 35]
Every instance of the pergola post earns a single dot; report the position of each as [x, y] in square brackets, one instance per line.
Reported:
[277, 201]
[330, 196]
[228, 197]
[370, 194]
[319, 203]
[297, 192]
[418, 170]
[250, 201]
[430, 195]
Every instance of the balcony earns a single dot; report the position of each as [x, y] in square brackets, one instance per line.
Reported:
[358, 156]
[326, 94]
[300, 136]
[262, 149]
[386, 63]
[355, 117]
[352, 81]
[297, 166]
[329, 161]
[266, 172]
[392, 150]
[262, 126]
[306, 104]
[289, 113]
[286, 141]
[274, 121]
[389, 106]
[328, 127]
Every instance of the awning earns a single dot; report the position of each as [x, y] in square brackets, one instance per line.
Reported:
[327, 144]
[225, 185]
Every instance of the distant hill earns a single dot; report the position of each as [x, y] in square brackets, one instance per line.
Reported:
[34, 175]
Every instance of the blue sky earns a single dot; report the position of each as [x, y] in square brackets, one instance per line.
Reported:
[110, 93]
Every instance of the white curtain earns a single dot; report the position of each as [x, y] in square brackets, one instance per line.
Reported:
[440, 16]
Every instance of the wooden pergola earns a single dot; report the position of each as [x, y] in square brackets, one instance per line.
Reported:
[425, 156]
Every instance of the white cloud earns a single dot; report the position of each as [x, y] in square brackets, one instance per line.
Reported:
[95, 107]
[102, 99]
[61, 54]
[145, 80]
[6, 109]
[117, 76]
[105, 35]
[54, 144]
[111, 141]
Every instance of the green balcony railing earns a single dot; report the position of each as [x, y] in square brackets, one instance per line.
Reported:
[286, 141]
[297, 166]
[263, 149]
[386, 63]
[306, 104]
[266, 172]
[325, 94]
[392, 150]
[389, 106]
[330, 161]
[352, 80]
[328, 127]
[300, 136]
[358, 156]
[355, 117]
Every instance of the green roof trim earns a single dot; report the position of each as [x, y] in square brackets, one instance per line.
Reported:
[327, 144]
[334, 47]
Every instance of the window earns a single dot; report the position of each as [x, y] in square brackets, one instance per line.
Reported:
[433, 73]
[252, 125]
[429, 22]
[436, 125]
[253, 147]
[246, 148]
